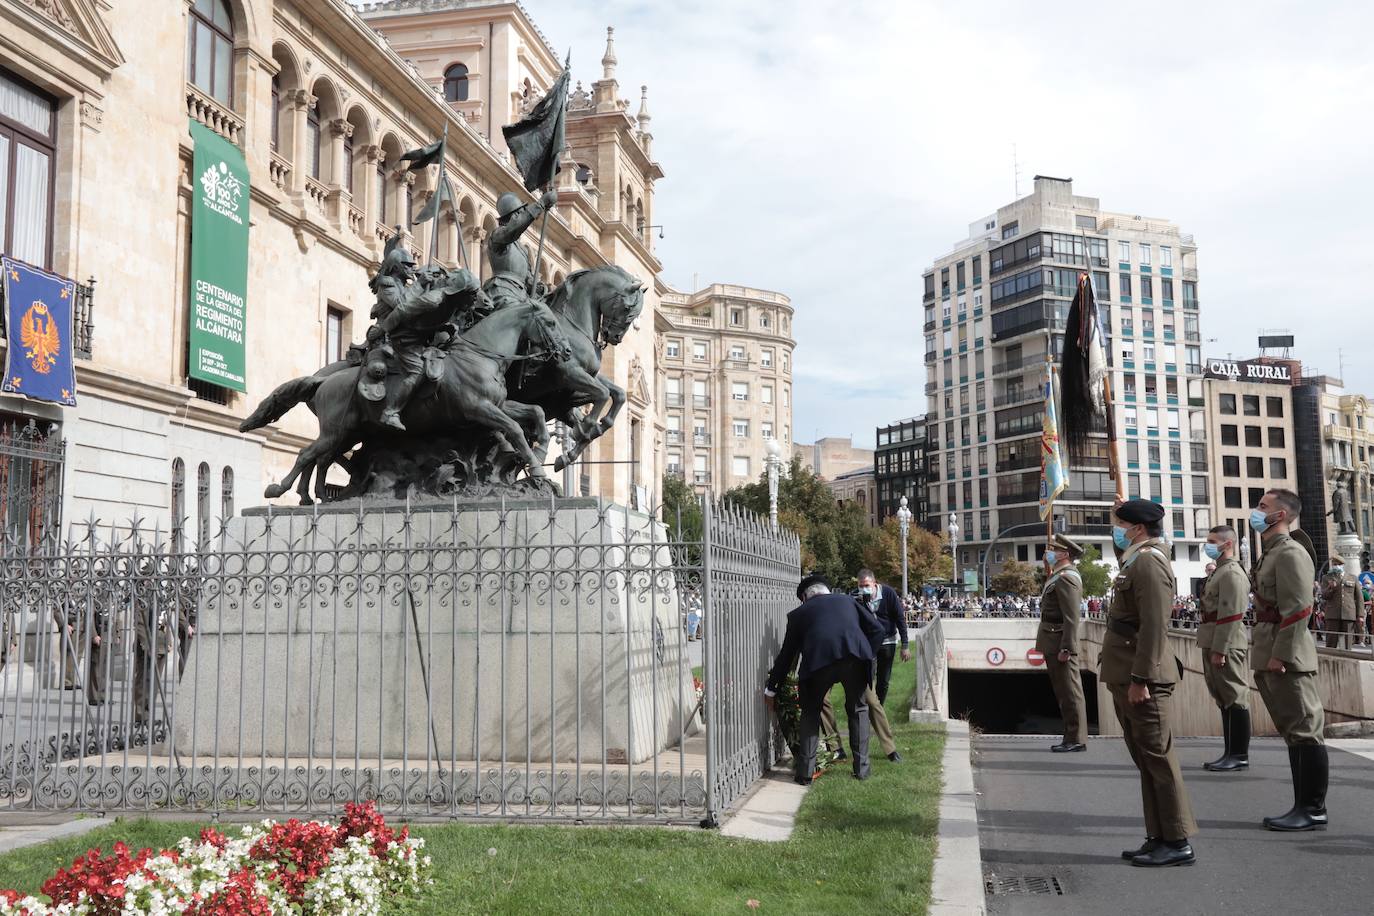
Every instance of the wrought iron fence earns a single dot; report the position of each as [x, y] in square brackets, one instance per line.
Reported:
[930, 665]
[468, 660]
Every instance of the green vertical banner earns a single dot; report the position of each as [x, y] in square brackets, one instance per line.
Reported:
[219, 260]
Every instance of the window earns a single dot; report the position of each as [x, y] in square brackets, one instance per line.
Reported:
[1229, 434]
[675, 462]
[1273, 407]
[1011, 229]
[276, 111]
[1252, 437]
[203, 503]
[1176, 488]
[1147, 288]
[785, 360]
[766, 394]
[765, 321]
[1226, 403]
[1133, 450]
[1149, 354]
[699, 396]
[312, 139]
[1101, 288]
[740, 428]
[766, 357]
[699, 350]
[739, 391]
[1200, 490]
[959, 275]
[1278, 468]
[209, 60]
[178, 499]
[456, 83]
[977, 268]
[1166, 288]
[673, 349]
[27, 152]
[1085, 221]
[766, 429]
[381, 192]
[1123, 252]
[1124, 282]
[1231, 496]
[739, 466]
[736, 317]
[1144, 253]
[334, 341]
[409, 198]
[1250, 404]
[1276, 437]
[736, 352]
[1230, 465]
[1254, 467]
[226, 495]
[1166, 256]
[348, 160]
[1152, 452]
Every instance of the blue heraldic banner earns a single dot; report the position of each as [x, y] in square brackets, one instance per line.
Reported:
[39, 363]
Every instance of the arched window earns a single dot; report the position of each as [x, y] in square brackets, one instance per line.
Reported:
[276, 112]
[381, 192]
[203, 503]
[410, 206]
[312, 139]
[178, 499]
[456, 83]
[226, 495]
[210, 58]
[584, 174]
[348, 160]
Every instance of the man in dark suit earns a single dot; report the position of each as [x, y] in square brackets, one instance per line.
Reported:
[834, 636]
[882, 600]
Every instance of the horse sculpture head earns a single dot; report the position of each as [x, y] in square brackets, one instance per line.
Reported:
[620, 309]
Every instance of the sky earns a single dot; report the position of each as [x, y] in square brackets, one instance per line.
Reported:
[832, 151]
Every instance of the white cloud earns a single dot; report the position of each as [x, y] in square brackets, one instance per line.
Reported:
[831, 151]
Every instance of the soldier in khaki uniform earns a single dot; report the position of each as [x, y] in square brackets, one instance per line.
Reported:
[1344, 604]
[1284, 656]
[1225, 647]
[1140, 673]
[1061, 602]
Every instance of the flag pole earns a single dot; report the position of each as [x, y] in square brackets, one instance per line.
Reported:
[548, 186]
[439, 191]
[1049, 373]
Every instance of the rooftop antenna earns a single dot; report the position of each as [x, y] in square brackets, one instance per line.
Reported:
[1015, 173]
[1340, 361]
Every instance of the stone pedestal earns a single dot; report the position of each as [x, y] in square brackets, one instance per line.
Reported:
[533, 631]
[1348, 547]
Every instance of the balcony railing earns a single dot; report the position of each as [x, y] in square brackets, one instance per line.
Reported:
[1019, 362]
[1022, 396]
[83, 325]
[674, 437]
[701, 438]
[673, 399]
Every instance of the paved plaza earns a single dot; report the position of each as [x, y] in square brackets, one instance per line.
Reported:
[1050, 824]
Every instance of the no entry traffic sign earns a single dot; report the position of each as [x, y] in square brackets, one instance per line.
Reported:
[1035, 657]
[996, 656]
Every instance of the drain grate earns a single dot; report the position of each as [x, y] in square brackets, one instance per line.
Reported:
[1010, 885]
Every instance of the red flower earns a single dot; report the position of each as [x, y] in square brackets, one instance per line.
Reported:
[299, 850]
[101, 879]
[238, 896]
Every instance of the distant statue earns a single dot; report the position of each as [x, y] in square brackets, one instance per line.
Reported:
[1340, 510]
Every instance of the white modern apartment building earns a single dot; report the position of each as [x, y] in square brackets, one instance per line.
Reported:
[994, 310]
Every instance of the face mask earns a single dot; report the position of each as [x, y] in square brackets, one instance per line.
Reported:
[1051, 557]
[1338, 569]
[1213, 551]
[866, 591]
[1259, 521]
[1119, 537]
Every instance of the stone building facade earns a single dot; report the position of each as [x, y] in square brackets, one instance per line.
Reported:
[859, 488]
[831, 456]
[321, 106]
[725, 366]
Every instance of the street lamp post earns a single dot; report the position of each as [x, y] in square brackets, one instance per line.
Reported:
[954, 547]
[774, 462]
[904, 525]
[1245, 550]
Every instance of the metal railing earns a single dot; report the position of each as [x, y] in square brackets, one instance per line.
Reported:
[83, 320]
[523, 660]
[930, 665]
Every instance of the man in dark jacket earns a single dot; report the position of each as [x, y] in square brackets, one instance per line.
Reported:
[833, 634]
[882, 600]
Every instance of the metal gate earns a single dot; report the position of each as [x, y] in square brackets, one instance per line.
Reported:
[522, 661]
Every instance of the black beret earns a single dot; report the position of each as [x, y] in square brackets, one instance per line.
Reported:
[810, 579]
[1140, 511]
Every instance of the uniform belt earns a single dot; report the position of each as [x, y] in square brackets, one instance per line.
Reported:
[1265, 612]
[1232, 619]
[1122, 627]
[1209, 618]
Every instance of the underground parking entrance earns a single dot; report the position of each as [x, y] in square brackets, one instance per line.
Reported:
[1013, 702]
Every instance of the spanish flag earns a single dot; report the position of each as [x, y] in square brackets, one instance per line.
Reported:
[1054, 474]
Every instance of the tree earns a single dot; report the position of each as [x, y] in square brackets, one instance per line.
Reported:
[834, 538]
[682, 515]
[1097, 576]
[1015, 578]
[925, 556]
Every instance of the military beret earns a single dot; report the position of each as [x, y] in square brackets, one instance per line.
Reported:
[810, 579]
[1063, 541]
[1140, 511]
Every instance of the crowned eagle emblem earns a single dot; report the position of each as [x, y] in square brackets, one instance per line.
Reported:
[38, 335]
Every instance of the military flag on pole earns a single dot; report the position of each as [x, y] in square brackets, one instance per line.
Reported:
[1054, 474]
[1085, 369]
[536, 140]
[38, 322]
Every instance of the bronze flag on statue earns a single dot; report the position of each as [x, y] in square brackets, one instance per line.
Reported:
[536, 140]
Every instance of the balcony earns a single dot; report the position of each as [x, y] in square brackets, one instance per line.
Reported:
[1015, 364]
[1021, 396]
[701, 477]
[734, 362]
[673, 399]
[1023, 496]
[701, 438]
[205, 110]
[701, 400]
[83, 326]
[674, 437]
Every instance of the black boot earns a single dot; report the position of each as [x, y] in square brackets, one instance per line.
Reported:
[1238, 741]
[1150, 845]
[1310, 772]
[1226, 741]
[1166, 855]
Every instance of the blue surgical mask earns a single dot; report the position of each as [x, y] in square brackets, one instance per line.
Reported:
[1119, 537]
[1259, 521]
[866, 591]
[1051, 557]
[1213, 551]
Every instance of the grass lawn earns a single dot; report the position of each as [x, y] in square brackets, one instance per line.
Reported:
[865, 845]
